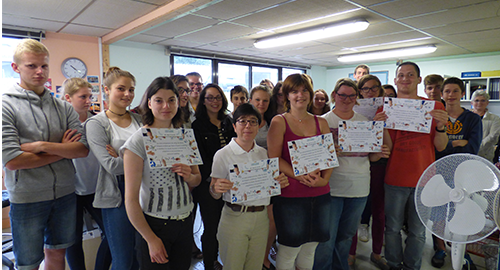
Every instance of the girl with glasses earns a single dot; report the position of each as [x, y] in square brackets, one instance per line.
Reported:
[349, 183]
[305, 202]
[182, 84]
[213, 130]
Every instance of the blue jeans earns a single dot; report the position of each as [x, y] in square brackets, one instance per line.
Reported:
[74, 254]
[121, 235]
[34, 224]
[396, 198]
[345, 216]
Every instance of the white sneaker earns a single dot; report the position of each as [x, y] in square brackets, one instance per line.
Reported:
[363, 233]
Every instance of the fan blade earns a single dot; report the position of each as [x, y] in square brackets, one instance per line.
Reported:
[480, 200]
[468, 219]
[473, 176]
[435, 192]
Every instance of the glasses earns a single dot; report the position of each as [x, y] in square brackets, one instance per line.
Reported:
[373, 89]
[182, 90]
[197, 84]
[390, 95]
[244, 122]
[212, 99]
[344, 96]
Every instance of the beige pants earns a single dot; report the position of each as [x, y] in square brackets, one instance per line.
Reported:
[242, 239]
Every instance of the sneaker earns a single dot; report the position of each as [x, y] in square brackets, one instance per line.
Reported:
[380, 263]
[469, 264]
[363, 234]
[438, 258]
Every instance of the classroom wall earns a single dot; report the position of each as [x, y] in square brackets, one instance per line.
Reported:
[144, 61]
[450, 66]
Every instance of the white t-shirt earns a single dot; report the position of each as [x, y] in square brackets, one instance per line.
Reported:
[231, 154]
[120, 135]
[352, 178]
[163, 193]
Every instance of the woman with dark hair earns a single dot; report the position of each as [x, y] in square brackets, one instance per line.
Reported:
[301, 213]
[321, 103]
[182, 84]
[213, 130]
[389, 91]
[277, 100]
[166, 231]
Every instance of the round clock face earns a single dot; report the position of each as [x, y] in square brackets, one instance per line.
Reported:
[74, 68]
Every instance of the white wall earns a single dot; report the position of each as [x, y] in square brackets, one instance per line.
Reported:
[318, 74]
[450, 66]
[145, 61]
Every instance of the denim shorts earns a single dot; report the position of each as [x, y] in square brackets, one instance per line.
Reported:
[302, 220]
[35, 226]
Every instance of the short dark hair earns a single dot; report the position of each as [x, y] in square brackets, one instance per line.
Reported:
[410, 64]
[155, 86]
[454, 80]
[201, 109]
[194, 73]
[178, 79]
[388, 86]
[363, 66]
[238, 89]
[246, 109]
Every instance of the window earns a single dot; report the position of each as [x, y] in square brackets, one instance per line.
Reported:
[288, 71]
[231, 75]
[9, 76]
[184, 65]
[261, 73]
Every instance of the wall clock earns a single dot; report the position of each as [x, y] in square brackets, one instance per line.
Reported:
[73, 68]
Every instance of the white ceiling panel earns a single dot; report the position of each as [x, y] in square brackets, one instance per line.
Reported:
[146, 39]
[85, 30]
[219, 32]
[181, 26]
[113, 13]
[234, 9]
[154, 2]
[465, 27]
[180, 43]
[15, 20]
[60, 10]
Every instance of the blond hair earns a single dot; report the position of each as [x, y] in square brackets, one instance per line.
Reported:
[29, 46]
[71, 86]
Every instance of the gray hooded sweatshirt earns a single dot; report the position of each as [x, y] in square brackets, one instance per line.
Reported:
[27, 117]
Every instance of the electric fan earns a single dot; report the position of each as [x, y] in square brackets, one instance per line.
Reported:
[455, 201]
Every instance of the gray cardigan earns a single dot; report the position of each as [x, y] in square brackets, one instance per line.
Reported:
[98, 128]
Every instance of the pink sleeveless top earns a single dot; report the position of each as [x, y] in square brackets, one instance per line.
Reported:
[296, 189]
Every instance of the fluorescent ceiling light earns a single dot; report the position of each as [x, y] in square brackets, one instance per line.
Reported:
[395, 53]
[312, 34]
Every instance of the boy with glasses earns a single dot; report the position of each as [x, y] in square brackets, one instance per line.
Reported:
[196, 85]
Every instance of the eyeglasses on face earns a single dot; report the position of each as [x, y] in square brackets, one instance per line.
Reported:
[182, 90]
[197, 84]
[344, 96]
[212, 98]
[375, 88]
[244, 122]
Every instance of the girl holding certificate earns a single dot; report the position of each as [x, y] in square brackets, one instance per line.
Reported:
[302, 211]
[158, 201]
[349, 183]
[243, 228]
[106, 133]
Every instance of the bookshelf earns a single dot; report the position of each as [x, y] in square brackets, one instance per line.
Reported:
[489, 84]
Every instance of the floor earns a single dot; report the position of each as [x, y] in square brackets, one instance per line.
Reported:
[362, 258]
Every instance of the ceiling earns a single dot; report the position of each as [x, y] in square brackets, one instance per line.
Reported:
[231, 26]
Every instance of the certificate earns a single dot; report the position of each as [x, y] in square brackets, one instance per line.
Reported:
[368, 106]
[254, 180]
[312, 153]
[168, 146]
[408, 114]
[361, 136]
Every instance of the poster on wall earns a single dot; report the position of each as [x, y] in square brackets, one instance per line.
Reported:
[95, 89]
[93, 79]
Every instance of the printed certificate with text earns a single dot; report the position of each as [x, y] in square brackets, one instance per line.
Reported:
[309, 154]
[361, 136]
[408, 114]
[168, 146]
[254, 180]
[368, 106]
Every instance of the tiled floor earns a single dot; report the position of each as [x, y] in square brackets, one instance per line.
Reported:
[363, 253]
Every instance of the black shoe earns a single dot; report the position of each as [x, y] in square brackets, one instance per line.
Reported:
[438, 258]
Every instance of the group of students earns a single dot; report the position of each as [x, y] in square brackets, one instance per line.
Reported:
[146, 215]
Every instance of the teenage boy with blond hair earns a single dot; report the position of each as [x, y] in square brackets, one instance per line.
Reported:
[40, 137]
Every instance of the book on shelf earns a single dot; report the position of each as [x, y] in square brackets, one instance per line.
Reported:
[494, 89]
